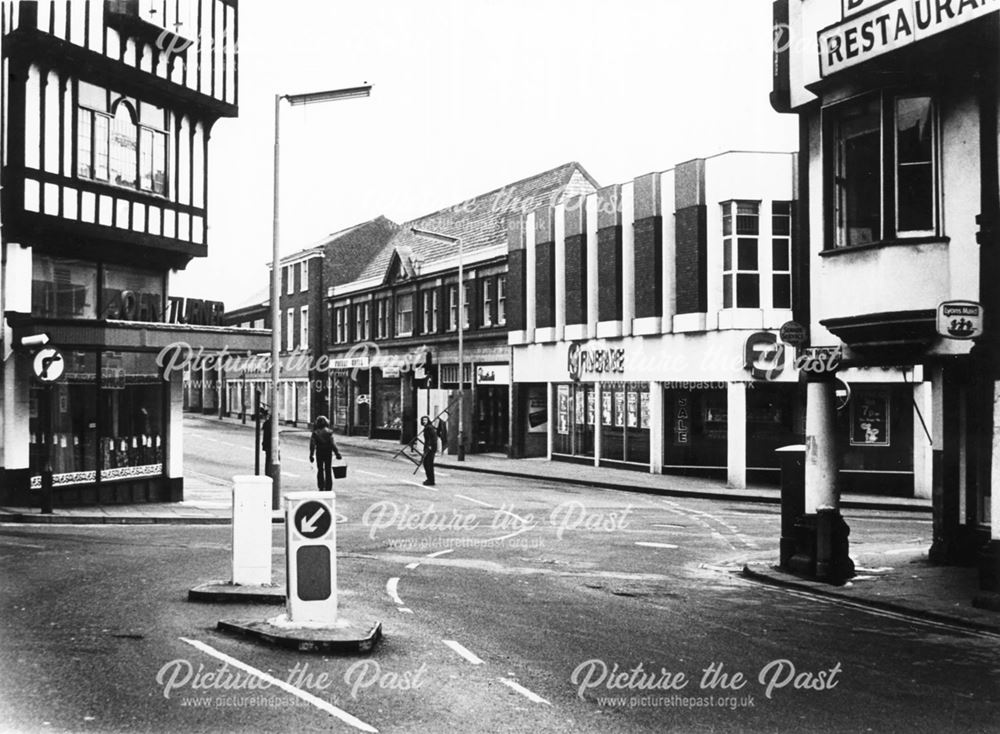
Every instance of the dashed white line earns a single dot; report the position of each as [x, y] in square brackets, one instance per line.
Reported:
[656, 545]
[289, 474]
[473, 499]
[531, 696]
[372, 474]
[392, 589]
[464, 652]
[411, 566]
[405, 610]
[444, 552]
[297, 692]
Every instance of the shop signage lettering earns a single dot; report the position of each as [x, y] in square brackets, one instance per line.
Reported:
[682, 422]
[868, 32]
[127, 305]
[195, 311]
[493, 374]
[581, 361]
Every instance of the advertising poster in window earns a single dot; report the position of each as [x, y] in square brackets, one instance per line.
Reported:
[870, 419]
[591, 407]
[562, 409]
[580, 407]
[682, 422]
[538, 412]
[633, 409]
[619, 408]
[644, 410]
[606, 408]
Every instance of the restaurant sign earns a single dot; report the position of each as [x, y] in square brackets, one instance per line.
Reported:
[868, 30]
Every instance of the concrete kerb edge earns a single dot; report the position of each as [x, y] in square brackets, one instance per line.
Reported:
[288, 639]
[772, 580]
[688, 493]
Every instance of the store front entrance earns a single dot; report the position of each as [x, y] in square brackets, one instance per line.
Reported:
[492, 413]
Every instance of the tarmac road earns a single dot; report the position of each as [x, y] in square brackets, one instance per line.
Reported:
[507, 606]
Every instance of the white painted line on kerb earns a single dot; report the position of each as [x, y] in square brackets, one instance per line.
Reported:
[656, 545]
[299, 693]
[444, 552]
[464, 652]
[473, 499]
[531, 696]
[411, 566]
[372, 474]
[392, 589]
[418, 484]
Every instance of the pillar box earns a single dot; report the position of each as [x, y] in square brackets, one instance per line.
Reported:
[251, 530]
[793, 497]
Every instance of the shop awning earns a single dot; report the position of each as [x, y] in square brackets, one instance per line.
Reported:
[139, 336]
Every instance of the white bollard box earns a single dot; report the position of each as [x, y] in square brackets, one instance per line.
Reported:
[251, 530]
[311, 557]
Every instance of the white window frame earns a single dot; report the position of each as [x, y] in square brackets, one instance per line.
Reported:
[402, 298]
[453, 307]
[732, 240]
[290, 330]
[304, 327]
[501, 300]
[304, 277]
[487, 318]
[289, 283]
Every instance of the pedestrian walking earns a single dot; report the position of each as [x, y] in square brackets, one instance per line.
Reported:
[430, 449]
[442, 431]
[322, 448]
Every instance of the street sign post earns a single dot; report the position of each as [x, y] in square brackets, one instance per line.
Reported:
[311, 555]
[48, 366]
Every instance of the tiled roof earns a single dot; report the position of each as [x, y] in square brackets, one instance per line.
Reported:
[481, 221]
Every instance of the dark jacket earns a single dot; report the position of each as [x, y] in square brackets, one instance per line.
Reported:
[321, 442]
[430, 438]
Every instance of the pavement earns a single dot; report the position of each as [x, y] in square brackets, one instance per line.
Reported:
[894, 582]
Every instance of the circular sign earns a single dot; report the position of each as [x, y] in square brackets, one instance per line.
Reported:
[793, 333]
[362, 399]
[843, 393]
[48, 364]
[313, 519]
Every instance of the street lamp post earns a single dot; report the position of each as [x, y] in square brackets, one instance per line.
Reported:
[295, 100]
[461, 330]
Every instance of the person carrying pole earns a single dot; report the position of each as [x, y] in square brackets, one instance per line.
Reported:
[430, 449]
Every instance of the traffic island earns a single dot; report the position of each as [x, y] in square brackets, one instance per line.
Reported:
[344, 637]
[225, 592]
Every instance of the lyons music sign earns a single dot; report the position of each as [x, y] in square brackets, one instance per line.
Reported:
[868, 29]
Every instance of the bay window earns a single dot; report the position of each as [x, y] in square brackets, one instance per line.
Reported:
[883, 177]
[740, 256]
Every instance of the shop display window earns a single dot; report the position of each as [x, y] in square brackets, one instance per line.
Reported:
[388, 405]
[63, 288]
[132, 422]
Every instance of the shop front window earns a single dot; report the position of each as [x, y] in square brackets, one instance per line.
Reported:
[388, 405]
[63, 288]
[132, 422]
[576, 407]
[70, 433]
[131, 295]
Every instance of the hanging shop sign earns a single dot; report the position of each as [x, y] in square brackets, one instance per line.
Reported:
[583, 360]
[793, 333]
[763, 357]
[960, 319]
[349, 363]
[868, 29]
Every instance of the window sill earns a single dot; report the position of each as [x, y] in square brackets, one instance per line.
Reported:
[901, 241]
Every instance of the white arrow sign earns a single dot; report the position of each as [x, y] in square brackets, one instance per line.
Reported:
[309, 524]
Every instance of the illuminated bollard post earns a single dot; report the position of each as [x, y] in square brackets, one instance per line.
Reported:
[311, 556]
[251, 530]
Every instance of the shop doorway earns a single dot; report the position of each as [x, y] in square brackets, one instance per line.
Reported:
[492, 414]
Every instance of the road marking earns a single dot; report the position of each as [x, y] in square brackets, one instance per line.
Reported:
[404, 610]
[524, 691]
[392, 589]
[901, 551]
[656, 545]
[444, 552]
[299, 693]
[372, 474]
[442, 473]
[511, 535]
[411, 566]
[289, 474]
[418, 484]
[473, 499]
[296, 458]
[464, 652]
[671, 525]
[236, 445]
